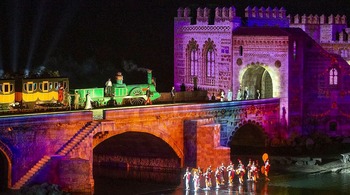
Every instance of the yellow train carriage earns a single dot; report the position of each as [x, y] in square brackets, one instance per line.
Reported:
[7, 93]
[41, 90]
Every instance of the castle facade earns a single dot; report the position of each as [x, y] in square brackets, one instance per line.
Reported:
[303, 61]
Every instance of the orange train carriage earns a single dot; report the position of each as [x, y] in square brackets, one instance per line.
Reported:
[33, 93]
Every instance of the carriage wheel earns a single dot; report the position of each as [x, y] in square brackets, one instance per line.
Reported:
[137, 101]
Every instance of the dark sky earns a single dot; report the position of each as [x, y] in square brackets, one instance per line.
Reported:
[90, 40]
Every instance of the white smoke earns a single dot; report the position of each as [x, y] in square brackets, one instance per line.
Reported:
[129, 66]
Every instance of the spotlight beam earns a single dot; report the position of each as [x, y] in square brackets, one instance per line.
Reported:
[61, 27]
[37, 29]
[14, 32]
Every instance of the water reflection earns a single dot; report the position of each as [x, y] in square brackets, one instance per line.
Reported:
[154, 182]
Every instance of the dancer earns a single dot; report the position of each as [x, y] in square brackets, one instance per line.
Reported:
[267, 169]
[196, 180]
[249, 176]
[187, 177]
[230, 173]
[253, 172]
[207, 176]
[240, 171]
[217, 177]
[222, 174]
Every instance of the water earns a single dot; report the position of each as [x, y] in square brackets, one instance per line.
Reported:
[111, 181]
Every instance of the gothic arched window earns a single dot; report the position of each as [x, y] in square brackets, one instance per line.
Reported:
[210, 60]
[194, 62]
[192, 53]
[333, 77]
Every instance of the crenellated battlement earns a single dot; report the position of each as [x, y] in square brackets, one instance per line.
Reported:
[183, 13]
[203, 16]
[222, 15]
[263, 12]
[315, 19]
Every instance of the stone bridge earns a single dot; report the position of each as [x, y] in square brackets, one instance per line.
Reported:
[58, 147]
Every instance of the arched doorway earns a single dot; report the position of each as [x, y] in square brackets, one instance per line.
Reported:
[257, 77]
[4, 169]
[135, 158]
[249, 139]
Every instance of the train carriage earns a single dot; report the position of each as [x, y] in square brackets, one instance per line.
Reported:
[7, 93]
[33, 92]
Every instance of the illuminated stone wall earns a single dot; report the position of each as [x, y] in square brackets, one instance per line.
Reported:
[30, 138]
[298, 62]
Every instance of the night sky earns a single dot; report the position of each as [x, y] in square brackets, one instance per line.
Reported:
[90, 40]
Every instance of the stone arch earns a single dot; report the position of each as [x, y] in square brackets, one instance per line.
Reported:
[163, 135]
[256, 77]
[6, 152]
[248, 137]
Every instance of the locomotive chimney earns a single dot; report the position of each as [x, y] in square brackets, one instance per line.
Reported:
[149, 76]
[119, 78]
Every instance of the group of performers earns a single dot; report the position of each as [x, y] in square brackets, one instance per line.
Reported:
[251, 170]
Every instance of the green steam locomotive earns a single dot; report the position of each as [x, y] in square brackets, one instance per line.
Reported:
[122, 94]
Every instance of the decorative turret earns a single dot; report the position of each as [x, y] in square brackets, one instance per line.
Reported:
[262, 12]
[203, 16]
[183, 18]
[224, 14]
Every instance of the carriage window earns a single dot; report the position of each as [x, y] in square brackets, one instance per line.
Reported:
[45, 86]
[56, 85]
[30, 86]
[40, 86]
[50, 86]
[6, 88]
[64, 84]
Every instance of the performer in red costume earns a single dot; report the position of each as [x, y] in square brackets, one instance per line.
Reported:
[240, 171]
[267, 169]
[230, 173]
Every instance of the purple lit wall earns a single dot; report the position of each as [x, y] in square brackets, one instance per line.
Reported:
[266, 54]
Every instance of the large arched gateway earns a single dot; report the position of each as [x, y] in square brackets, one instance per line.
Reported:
[249, 138]
[135, 156]
[255, 78]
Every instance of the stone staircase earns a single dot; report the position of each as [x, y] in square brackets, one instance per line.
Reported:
[64, 150]
[77, 138]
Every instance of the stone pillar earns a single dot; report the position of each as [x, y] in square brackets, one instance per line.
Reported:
[74, 175]
[202, 144]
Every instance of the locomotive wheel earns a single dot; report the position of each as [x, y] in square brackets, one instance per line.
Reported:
[137, 101]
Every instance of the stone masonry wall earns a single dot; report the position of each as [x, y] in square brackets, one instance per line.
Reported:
[31, 138]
